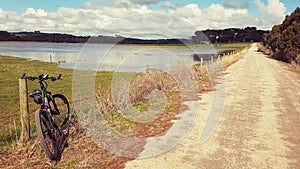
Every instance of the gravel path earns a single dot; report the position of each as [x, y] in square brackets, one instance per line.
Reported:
[259, 127]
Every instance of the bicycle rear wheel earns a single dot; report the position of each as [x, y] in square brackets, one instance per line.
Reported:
[46, 134]
[60, 110]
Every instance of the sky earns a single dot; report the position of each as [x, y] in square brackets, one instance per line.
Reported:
[140, 18]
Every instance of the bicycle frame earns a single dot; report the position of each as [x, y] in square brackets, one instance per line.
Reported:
[45, 105]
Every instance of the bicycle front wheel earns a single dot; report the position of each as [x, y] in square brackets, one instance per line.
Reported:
[46, 134]
[60, 109]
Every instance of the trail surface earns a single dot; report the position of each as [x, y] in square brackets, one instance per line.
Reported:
[260, 124]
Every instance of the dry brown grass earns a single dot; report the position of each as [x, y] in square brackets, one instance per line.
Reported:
[206, 73]
[140, 91]
[144, 83]
[231, 59]
[296, 64]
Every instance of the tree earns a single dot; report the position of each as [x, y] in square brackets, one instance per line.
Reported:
[284, 39]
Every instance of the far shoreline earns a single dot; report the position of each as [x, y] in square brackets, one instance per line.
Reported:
[220, 46]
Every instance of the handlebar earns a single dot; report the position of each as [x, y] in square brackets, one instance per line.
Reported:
[41, 77]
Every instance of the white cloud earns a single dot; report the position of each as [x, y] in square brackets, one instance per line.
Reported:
[168, 5]
[127, 18]
[216, 16]
[29, 11]
[188, 11]
[273, 12]
[41, 13]
[88, 5]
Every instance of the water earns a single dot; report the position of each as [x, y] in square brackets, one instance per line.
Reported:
[108, 57]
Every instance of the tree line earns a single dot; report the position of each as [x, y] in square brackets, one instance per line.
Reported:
[249, 34]
[229, 35]
[38, 36]
[284, 39]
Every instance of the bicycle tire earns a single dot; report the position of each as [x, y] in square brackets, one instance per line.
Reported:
[45, 134]
[60, 109]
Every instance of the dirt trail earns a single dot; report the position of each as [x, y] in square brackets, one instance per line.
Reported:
[260, 125]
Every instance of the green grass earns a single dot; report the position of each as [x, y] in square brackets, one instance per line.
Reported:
[11, 69]
[231, 46]
[220, 46]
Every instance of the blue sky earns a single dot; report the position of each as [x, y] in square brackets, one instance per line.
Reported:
[90, 16]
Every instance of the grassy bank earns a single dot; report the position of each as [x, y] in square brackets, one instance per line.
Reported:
[12, 68]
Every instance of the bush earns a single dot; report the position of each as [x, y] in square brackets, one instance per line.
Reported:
[284, 39]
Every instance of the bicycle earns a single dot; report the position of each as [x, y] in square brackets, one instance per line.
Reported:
[52, 119]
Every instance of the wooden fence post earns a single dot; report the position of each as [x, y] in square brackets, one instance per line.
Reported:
[50, 58]
[147, 68]
[25, 123]
[201, 62]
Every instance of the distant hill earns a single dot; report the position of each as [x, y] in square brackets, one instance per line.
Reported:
[249, 34]
[41, 37]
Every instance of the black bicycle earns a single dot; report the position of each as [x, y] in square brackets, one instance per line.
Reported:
[52, 119]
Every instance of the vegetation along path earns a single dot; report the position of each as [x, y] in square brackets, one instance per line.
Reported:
[259, 127]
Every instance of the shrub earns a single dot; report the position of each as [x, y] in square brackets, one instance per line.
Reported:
[284, 39]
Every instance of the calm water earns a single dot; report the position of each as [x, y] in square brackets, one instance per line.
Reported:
[107, 57]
